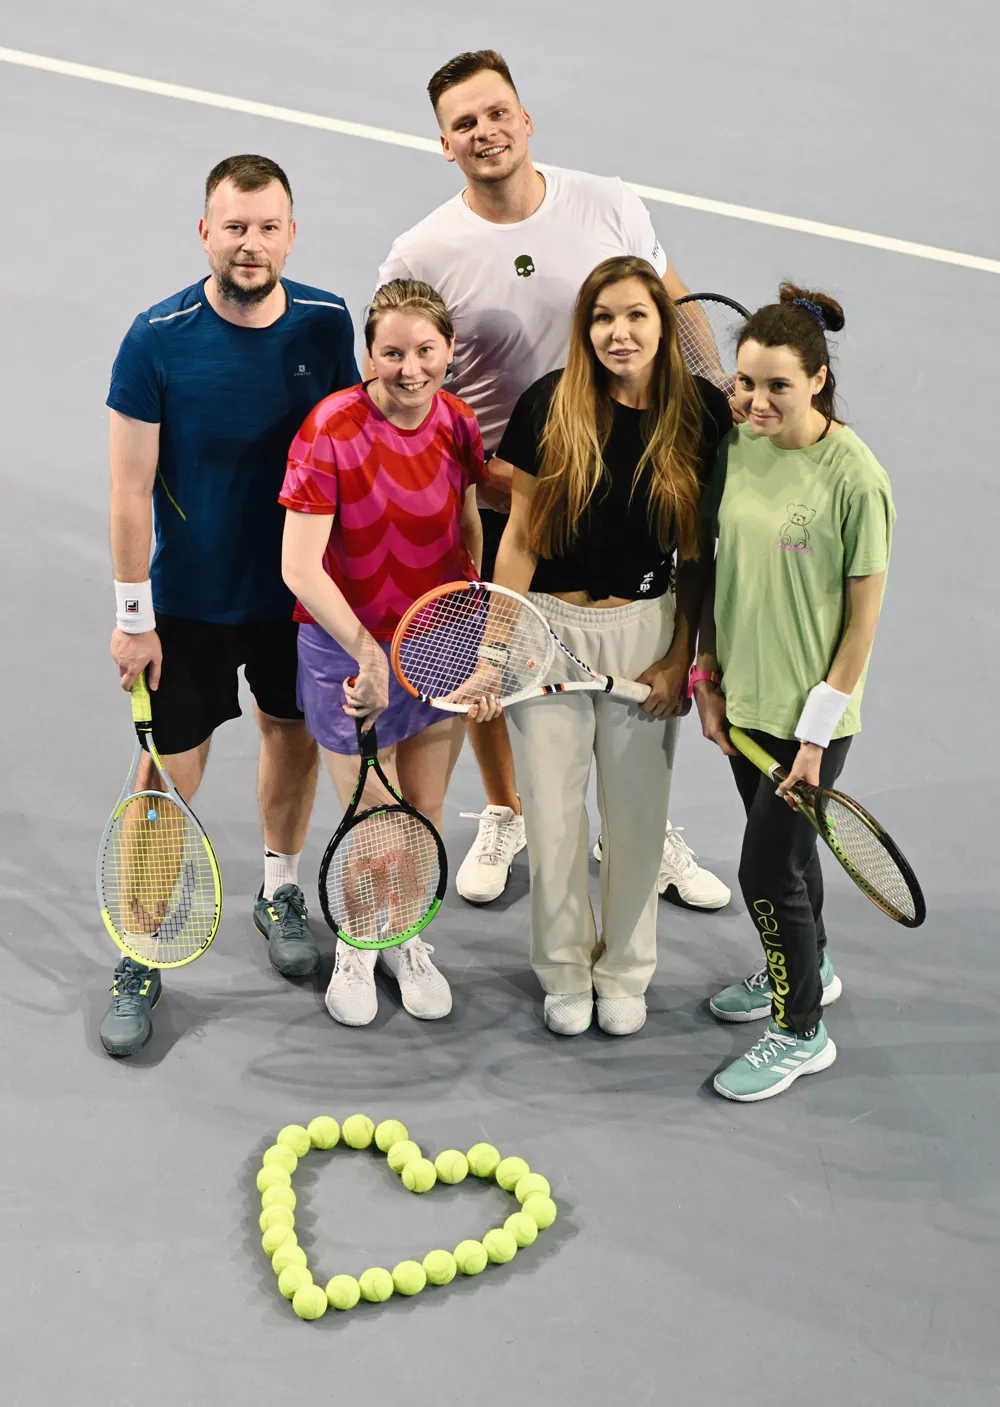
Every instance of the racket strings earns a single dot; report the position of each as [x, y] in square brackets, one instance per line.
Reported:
[708, 332]
[158, 883]
[869, 858]
[383, 876]
[463, 644]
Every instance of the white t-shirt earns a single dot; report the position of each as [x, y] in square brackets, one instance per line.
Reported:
[511, 288]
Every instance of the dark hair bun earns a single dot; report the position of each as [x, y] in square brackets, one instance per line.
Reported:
[833, 313]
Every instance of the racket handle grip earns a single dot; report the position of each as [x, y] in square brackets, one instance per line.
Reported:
[630, 690]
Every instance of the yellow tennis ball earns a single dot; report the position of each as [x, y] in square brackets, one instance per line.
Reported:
[470, 1257]
[542, 1211]
[510, 1172]
[483, 1159]
[288, 1253]
[323, 1131]
[275, 1216]
[451, 1166]
[409, 1277]
[440, 1267]
[282, 1155]
[310, 1302]
[273, 1175]
[402, 1153]
[501, 1246]
[357, 1131]
[279, 1195]
[530, 1185]
[375, 1284]
[274, 1236]
[296, 1138]
[343, 1292]
[522, 1227]
[292, 1278]
[419, 1175]
[390, 1131]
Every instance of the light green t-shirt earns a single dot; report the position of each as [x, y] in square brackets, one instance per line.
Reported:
[792, 525]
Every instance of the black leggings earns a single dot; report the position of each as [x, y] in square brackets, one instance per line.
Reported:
[782, 882]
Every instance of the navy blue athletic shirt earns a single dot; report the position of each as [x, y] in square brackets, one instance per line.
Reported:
[229, 401]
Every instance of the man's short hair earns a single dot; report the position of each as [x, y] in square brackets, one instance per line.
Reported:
[465, 66]
[247, 173]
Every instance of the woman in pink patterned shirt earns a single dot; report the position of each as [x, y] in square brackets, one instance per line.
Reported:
[381, 499]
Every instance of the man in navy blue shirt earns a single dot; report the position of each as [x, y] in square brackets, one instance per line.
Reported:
[207, 392]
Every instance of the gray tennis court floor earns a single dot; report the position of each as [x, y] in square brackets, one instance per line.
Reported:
[838, 1245]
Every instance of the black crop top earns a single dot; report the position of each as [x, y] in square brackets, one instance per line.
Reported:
[615, 552]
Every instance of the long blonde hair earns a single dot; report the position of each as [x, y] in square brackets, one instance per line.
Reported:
[579, 421]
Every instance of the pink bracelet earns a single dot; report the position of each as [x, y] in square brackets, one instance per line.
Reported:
[697, 675]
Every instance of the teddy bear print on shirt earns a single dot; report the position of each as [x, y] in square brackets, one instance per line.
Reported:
[794, 533]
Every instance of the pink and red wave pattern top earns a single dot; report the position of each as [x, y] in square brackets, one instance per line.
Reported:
[396, 497]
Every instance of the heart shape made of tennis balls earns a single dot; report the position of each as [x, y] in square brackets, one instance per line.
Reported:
[309, 1300]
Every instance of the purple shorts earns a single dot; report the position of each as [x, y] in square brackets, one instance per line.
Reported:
[323, 668]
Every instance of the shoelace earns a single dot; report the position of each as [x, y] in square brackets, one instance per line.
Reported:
[291, 918]
[756, 981]
[490, 846]
[127, 989]
[683, 857]
[351, 964]
[416, 955]
[773, 1044]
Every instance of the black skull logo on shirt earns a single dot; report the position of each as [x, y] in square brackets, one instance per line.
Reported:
[524, 265]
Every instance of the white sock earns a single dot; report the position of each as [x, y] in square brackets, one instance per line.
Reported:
[278, 870]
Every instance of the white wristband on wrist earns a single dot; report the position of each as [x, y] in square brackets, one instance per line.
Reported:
[824, 708]
[135, 606]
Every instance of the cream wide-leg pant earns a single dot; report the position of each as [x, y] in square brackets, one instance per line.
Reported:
[554, 740]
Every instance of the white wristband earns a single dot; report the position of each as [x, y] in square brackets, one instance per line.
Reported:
[135, 606]
[824, 708]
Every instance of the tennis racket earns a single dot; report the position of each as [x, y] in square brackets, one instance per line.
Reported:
[158, 884]
[867, 852]
[708, 326]
[384, 873]
[470, 638]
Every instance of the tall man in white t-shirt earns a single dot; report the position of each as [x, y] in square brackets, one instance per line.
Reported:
[508, 255]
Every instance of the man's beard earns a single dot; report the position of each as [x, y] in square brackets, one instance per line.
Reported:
[494, 178]
[239, 293]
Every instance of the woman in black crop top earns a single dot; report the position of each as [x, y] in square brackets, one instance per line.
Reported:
[609, 457]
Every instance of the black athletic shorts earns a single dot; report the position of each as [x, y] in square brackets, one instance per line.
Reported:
[493, 526]
[199, 682]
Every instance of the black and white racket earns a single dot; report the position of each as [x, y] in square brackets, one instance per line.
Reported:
[384, 873]
[472, 638]
[709, 325]
[158, 884]
[864, 847]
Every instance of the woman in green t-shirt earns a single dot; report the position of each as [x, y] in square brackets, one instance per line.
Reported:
[803, 515]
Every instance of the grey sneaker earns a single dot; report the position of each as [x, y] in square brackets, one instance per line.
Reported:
[282, 920]
[135, 990]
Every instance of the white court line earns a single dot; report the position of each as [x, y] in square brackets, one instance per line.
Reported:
[426, 144]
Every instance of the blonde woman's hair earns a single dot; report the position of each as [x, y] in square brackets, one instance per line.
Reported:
[408, 295]
[579, 422]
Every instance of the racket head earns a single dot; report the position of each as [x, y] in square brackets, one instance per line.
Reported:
[383, 877]
[708, 333]
[871, 857]
[470, 638]
[158, 882]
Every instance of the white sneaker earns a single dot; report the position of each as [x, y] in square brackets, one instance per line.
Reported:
[424, 991]
[683, 881]
[569, 1015]
[621, 1016]
[351, 997]
[483, 874]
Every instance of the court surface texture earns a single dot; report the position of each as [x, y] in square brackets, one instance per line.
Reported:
[837, 1245]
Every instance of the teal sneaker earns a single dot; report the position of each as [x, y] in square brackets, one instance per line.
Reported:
[282, 921]
[775, 1062]
[750, 1000]
[127, 1025]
